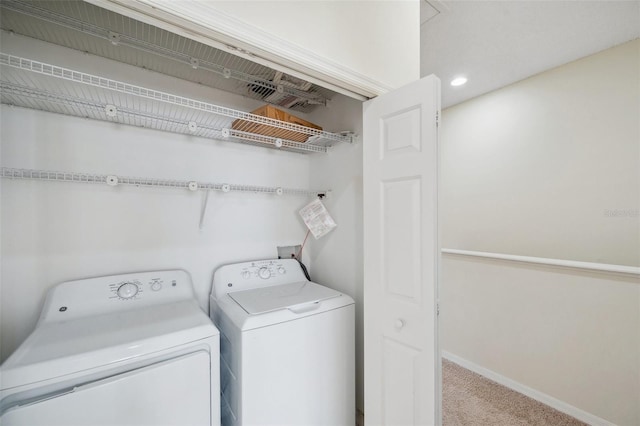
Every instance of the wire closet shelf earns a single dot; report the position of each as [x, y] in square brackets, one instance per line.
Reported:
[113, 180]
[32, 84]
[85, 27]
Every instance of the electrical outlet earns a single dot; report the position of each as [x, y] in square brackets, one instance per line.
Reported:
[288, 252]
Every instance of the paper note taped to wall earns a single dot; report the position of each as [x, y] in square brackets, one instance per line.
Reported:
[317, 219]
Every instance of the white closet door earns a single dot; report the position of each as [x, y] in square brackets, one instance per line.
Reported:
[401, 256]
[174, 392]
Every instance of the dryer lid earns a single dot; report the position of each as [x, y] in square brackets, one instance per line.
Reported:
[56, 349]
[274, 298]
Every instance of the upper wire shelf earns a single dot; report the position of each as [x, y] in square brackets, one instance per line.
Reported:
[33, 84]
[85, 27]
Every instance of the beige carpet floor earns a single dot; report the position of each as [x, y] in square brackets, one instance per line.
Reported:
[469, 399]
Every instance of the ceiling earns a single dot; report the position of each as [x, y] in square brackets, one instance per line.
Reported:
[496, 43]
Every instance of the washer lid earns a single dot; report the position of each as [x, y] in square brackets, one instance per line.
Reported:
[275, 298]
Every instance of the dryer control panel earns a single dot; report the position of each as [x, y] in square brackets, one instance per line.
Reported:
[255, 274]
[92, 296]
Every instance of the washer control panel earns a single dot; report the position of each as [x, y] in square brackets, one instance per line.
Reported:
[74, 299]
[258, 273]
[263, 269]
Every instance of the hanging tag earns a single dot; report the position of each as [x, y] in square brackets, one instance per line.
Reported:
[317, 219]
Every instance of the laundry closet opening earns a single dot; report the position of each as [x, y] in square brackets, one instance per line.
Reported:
[127, 148]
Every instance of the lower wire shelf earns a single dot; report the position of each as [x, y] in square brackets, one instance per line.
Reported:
[114, 180]
[33, 98]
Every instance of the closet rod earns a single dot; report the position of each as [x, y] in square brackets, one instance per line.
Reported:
[113, 180]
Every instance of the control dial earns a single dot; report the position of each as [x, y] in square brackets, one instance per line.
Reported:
[264, 273]
[127, 290]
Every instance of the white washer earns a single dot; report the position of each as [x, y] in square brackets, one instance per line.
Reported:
[132, 349]
[287, 346]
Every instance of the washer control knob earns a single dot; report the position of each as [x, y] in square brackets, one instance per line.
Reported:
[156, 286]
[246, 274]
[281, 270]
[127, 290]
[264, 273]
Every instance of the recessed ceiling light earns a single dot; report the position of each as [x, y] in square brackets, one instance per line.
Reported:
[458, 81]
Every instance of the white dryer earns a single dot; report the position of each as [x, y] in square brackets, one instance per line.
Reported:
[287, 346]
[132, 349]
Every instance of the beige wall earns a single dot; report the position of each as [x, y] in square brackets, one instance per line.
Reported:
[533, 168]
[574, 336]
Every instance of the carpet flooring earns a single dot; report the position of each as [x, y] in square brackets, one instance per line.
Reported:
[469, 399]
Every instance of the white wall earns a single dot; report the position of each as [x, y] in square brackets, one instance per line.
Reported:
[531, 170]
[337, 257]
[366, 46]
[379, 39]
[52, 232]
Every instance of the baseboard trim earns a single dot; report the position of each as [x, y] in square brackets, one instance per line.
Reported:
[531, 393]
